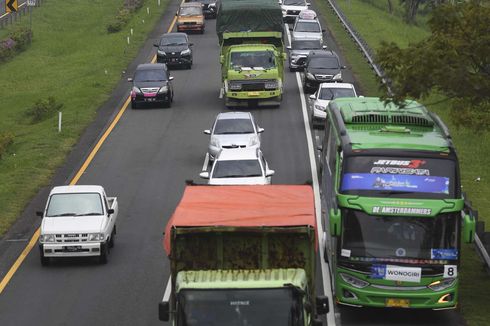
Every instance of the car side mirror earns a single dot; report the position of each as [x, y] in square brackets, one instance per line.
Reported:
[312, 97]
[110, 211]
[207, 132]
[130, 79]
[288, 47]
[321, 305]
[323, 31]
[39, 213]
[269, 173]
[308, 4]
[260, 130]
[171, 78]
[204, 175]
[164, 311]
[324, 47]
[468, 228]
[335, 224]
[343, 67]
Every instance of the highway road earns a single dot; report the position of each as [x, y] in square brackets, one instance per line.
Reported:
[144, 162]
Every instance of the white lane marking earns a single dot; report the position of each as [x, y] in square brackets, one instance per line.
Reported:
[221, 92]
[206, 163]
[168, 289]
[316, 189]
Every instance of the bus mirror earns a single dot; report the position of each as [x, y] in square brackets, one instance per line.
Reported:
[164, 311]
[334, 222]
[468, 228]
[322, 305]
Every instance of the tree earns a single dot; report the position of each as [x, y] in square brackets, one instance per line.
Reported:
[411, 9]
[453, 61]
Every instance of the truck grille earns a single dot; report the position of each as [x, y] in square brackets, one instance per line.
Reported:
[253, 86]
[72, 237]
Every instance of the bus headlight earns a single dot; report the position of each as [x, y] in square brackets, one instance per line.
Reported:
[354, 281]
[442, 285]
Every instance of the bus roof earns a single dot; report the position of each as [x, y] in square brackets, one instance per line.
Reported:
[367, 123]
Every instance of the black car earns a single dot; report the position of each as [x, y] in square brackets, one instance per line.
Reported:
[209, 7]
[174, 49]
[151, 85]
[321, 67]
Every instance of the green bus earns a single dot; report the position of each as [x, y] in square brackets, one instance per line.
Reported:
[395, 211]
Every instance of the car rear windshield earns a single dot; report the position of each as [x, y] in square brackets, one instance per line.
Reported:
[190, 11]
[312, 27]
[233, 126]
[333, 93]
[306, 45]
[324, 62]
[150, 75]
[237, 169]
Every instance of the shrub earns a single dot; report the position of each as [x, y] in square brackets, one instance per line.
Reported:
[6, 139]
[124, 15]
[16, 41]
[43, 109]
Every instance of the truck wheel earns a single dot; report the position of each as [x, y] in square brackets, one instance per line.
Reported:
[44, 260]
[104, 253]
[113, 236]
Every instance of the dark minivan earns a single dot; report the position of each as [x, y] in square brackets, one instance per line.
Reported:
[152, 84]
[174, 49]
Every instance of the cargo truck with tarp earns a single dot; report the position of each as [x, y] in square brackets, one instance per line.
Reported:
[250, 34]
[243, 255]
[397, 218]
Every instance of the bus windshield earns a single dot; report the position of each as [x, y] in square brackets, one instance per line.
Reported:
[412, 177]
[399, 239]
[239, 307]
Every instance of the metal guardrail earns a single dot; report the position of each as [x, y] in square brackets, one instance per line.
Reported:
[361, 43]
[10, 18]
[482, 238]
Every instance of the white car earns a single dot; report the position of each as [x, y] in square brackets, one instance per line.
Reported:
[233, 130]
[307, 28]
[239, 167]
[78, 221]
[325, 93]
[292, 8]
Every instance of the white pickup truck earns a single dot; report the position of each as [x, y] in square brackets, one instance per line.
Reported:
[78, 221]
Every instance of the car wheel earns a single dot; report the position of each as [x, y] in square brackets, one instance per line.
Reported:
[134, 106]
[44, 260]
[104, 253]
[291, 69]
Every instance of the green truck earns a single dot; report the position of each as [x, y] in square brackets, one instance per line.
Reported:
[392, 188]
[243, 255]
[250, 34]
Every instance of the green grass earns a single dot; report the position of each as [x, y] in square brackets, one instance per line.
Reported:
[377, 25]
[74, 59]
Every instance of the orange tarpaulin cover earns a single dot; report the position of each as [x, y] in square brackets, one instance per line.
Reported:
[247, 206]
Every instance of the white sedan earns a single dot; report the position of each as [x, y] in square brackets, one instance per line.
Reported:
[239, 167]
[325, 93]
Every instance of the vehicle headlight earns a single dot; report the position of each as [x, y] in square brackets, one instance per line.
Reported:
[45, 238]
[254, 141]
[163, 89]
[160, 52]
[354, 281]
[186, 52]
[214, 141]
[273, 84]
[136, 90]
[212, 4]
[442, 285]
[235, 86]
[284, 11]
[319, 107]
[96, 237]
[337, 76]
[309, 75]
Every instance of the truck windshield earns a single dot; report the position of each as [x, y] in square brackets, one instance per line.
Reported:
[253, 59]
[399, 239]
[403, 177]
[237, 169]
[74, 204]
[239, 307]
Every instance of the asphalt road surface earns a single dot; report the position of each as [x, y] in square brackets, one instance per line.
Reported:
[145, 162]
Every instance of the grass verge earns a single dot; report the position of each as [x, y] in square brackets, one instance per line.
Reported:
[74, 60]
[376, 25]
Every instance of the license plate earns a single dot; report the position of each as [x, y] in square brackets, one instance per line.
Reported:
[72, 248]
[253, 93]
[150, 99]
[398, 303]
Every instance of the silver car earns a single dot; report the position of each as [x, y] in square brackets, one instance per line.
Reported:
[239, 167]
[307, 29]
[325, 93]
[299, 50]
[233, 130]
[292, 8]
